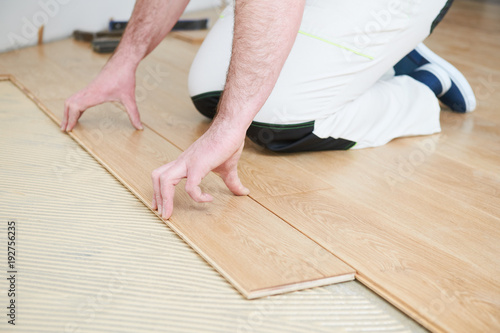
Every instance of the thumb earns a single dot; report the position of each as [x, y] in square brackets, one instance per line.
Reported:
[133, 112]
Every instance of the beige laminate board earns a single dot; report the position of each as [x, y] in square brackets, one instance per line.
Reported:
[162, 100]
[431, 254]
[423, 212]
[82, 234]
[436, 288]
[252, 248]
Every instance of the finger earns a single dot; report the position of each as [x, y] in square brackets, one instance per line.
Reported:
[233, 182]
[155, 178]
[167, 196]
[133, 112]
[168, 179]
[193, 189]
[74, 115]
[64, 122]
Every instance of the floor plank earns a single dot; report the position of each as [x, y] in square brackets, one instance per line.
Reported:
[87, 244]
[433, 286]
[166, 108]
[234, 234]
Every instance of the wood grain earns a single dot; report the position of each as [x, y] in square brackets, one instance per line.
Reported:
[418, 218]
[81, 229]
[166, 107]
[234, 234]
[417, 275]
[423, 213]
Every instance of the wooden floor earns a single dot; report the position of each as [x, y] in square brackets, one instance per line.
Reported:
[418, 219]
[90, 252]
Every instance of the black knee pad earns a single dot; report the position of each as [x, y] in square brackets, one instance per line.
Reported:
[293, 138]
[206, 103]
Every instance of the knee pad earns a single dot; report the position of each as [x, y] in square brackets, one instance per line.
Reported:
[206, 103]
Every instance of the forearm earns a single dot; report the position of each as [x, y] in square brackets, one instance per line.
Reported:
[264, 33]
[151, 20]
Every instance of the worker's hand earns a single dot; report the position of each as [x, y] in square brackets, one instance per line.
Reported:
[114, 83]
[212, 151]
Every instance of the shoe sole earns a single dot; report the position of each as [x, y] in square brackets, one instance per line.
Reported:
[455, 75]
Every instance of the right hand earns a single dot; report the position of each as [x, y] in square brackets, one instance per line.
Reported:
[111, 85]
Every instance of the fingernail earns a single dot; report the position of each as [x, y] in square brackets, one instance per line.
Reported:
[159, 209]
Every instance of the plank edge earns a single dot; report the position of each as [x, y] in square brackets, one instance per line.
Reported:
[245, 293]
[300, 286]
[398, 303]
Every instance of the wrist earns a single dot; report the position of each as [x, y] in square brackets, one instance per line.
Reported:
[225, 133]
[124, 59]
[234, 115]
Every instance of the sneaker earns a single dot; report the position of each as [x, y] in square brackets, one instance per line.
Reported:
[433, 76]
[460, 97]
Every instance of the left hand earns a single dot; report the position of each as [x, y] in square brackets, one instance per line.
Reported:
[211, 152]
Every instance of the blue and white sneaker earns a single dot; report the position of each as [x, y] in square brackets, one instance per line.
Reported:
[433, 76]
[459, 97]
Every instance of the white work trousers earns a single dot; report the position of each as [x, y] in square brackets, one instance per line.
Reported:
[338, 76]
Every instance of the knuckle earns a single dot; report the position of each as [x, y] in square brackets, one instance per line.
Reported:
[189, 189]
[164, 178]
[193, 192]
[155, 174]
[72, 106]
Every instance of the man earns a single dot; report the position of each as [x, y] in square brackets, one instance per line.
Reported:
[301, 75]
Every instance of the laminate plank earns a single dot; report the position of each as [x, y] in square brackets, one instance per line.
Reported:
[469, 37]
[183, 118]
[234, 234]
[165, 107]
[69, 255]
[464, 136]
[261, 181]
[436, 288]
